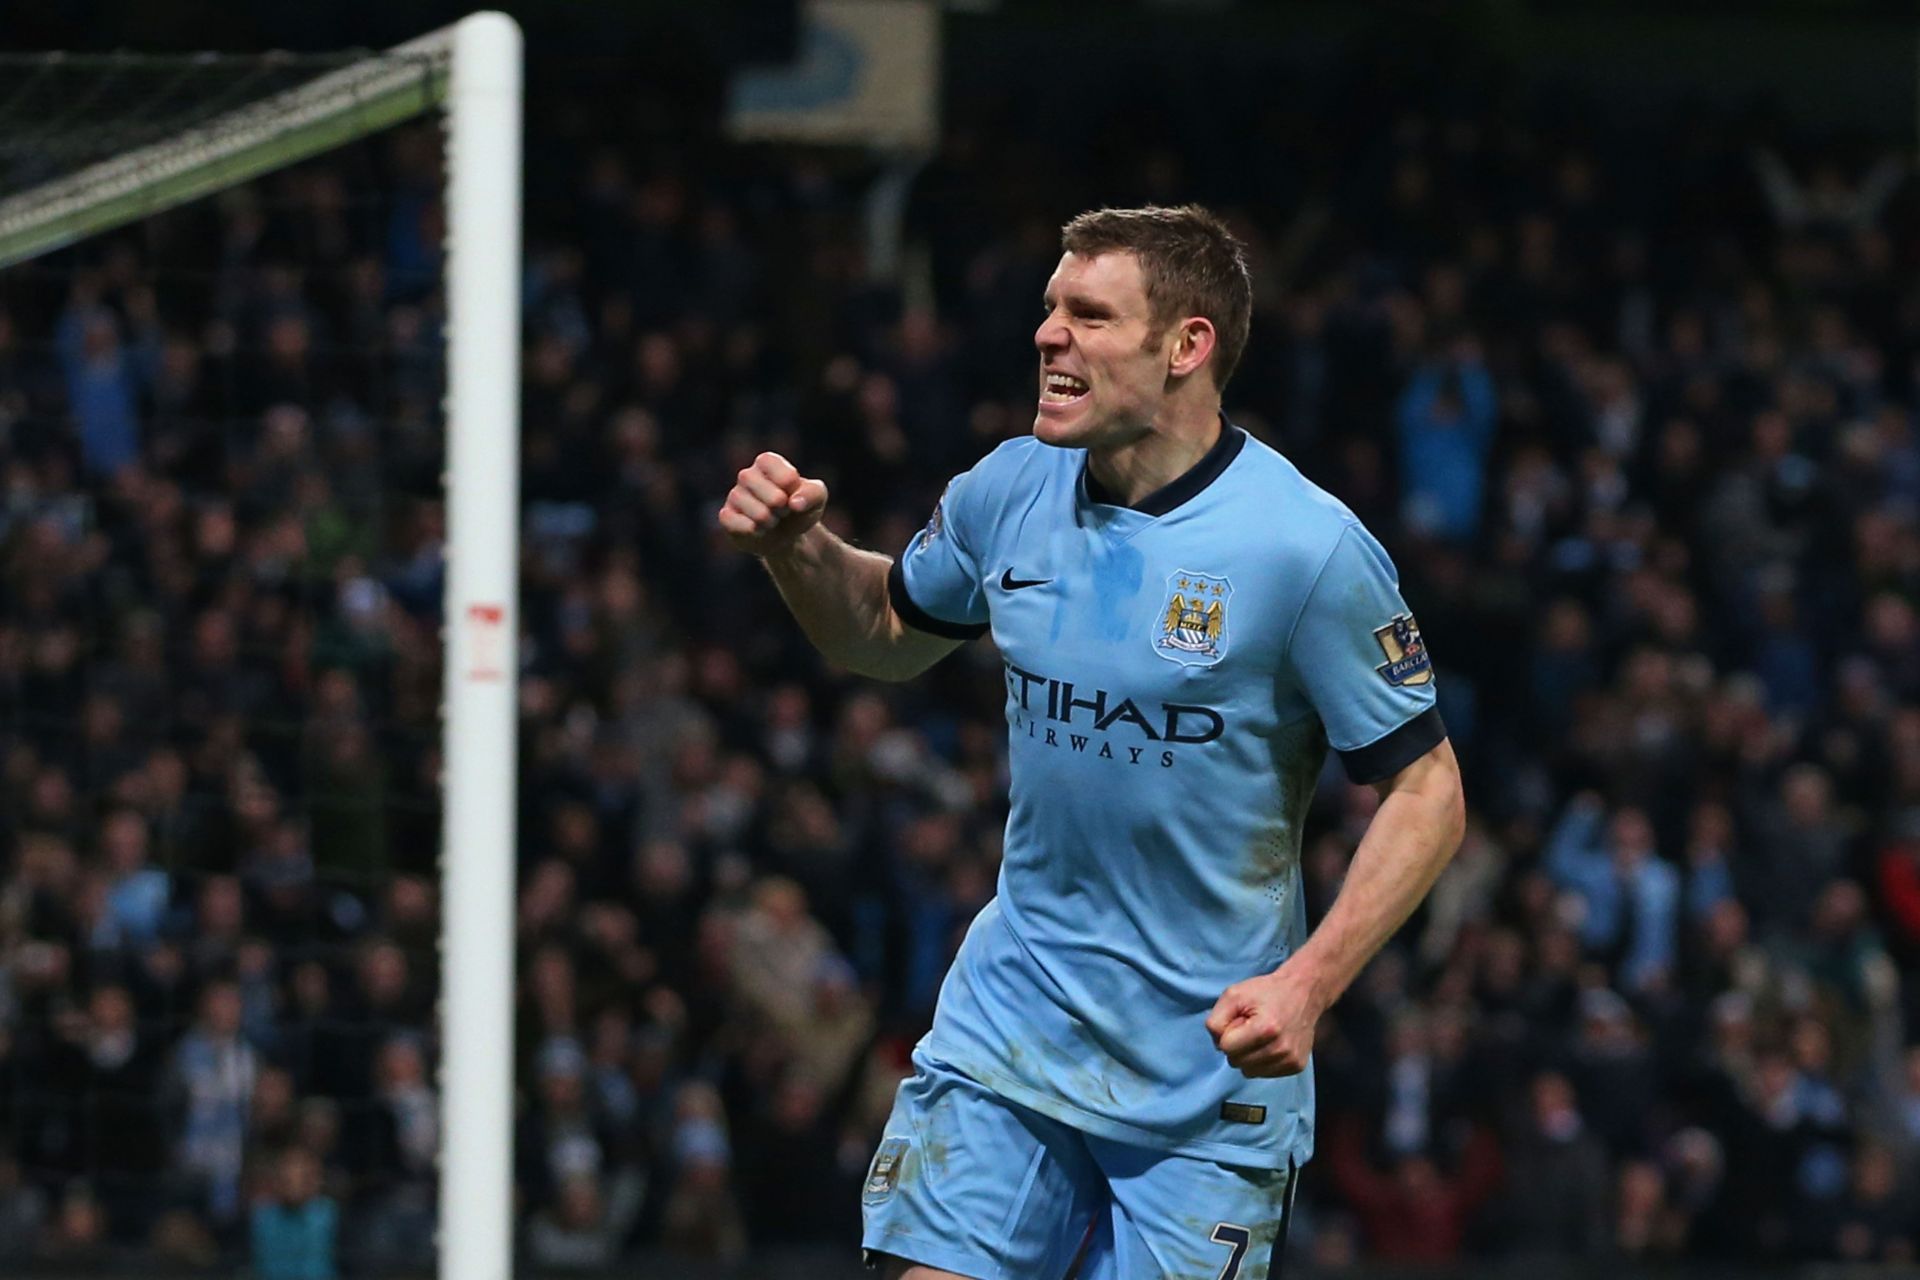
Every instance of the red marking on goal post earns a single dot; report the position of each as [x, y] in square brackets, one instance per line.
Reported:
[486, 631]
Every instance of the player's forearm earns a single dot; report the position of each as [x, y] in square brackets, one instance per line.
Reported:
[1413, 834]
[838, 594]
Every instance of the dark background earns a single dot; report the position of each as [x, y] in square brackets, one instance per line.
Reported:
[1662, 1011]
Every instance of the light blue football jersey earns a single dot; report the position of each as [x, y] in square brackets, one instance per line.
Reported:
[1175, 673]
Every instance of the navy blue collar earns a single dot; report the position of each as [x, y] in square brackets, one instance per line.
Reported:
[1182, 488]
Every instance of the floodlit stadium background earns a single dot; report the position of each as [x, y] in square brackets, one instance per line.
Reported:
[1605, 319]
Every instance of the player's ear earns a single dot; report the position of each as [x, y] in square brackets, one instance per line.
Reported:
[1193, 342]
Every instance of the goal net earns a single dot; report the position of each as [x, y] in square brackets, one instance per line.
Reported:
[258, 507]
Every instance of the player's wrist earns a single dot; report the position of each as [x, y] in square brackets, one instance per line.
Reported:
[792, 551]
[1317, 981]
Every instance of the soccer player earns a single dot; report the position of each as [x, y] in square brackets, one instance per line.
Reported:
[1119, 1059]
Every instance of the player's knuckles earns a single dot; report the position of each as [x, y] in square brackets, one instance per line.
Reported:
[1236, 1042]
[1248, 1037]
[1285, 1060]
[762, 489]
[1268, 1064]
[776, 468]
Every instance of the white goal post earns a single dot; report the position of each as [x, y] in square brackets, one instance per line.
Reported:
[482, 627]
[472, 71]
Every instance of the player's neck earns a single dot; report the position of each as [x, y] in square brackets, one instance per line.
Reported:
[1129, 472]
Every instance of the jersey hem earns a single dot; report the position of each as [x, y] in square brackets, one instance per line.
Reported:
[1048, 1105]
[913, 1249]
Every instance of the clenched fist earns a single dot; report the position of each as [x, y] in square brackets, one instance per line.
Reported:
[771, 506]
[1265, 1025]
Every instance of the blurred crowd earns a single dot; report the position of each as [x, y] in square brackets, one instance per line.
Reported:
[1632, 407]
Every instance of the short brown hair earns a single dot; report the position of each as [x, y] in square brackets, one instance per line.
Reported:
[1194, 266]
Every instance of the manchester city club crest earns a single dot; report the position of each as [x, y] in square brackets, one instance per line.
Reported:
[1407, 661]
[884, 1174]
[1192, 628]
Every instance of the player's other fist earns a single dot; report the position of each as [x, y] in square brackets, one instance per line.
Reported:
[771, 505]
[1265, 1025]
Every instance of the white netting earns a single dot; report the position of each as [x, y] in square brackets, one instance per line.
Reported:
[220, 586]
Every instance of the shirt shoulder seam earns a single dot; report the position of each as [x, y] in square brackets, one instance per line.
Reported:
[1346, 527]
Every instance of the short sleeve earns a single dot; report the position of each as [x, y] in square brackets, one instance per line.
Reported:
[1362, 663]
[935, 585]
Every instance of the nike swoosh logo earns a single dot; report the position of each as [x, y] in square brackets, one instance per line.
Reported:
[1010, 583]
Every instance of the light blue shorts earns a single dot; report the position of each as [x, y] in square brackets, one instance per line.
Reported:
[970, 1182]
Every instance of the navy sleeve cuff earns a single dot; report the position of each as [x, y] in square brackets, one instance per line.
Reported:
[1384, 757]
[919, 619]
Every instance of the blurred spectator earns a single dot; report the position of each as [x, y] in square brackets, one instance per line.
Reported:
[1415, 1213]
[296, 1232]
[580, 1231]
[76, 1234]
[137, 894]
[1557, 1191]
[795, 1182]
[778, 948]
[1802, 844]
[1628, 897]
[1791, 1123]
[1874, 1220]
[394, 1151]
[211, 1080]
[23, 1210]
[104, 377]
[1446, 420]
[701, 1218]
[1614, 1073]
[118, 1118]
[1709, 860]
[1645, 1225]
[1904, 1132]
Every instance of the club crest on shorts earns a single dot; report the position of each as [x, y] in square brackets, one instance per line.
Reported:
[1407, 661]
[884, 1174]
[1191, 627]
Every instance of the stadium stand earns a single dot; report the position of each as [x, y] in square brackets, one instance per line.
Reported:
[1632, 406]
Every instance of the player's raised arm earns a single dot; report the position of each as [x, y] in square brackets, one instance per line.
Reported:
[837, 592]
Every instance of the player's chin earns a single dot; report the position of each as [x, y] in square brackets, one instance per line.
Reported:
[1067, 424]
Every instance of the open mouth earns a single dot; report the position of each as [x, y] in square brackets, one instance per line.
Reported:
[1063, 389]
